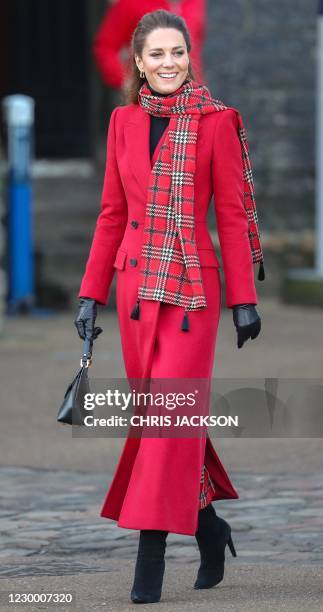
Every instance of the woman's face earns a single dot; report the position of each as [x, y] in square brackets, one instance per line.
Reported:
[164, 53]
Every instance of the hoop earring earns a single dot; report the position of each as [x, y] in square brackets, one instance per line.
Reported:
[142, 75]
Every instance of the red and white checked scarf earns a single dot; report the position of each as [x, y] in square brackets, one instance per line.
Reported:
[169, 267]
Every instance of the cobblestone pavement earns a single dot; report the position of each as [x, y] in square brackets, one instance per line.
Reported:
[56, 514]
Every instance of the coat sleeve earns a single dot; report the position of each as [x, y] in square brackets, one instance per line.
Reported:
[231, 216]
[110, 227]
[195, 14]
[112, 36]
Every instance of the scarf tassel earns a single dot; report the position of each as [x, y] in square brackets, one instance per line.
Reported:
[135, 313]
[261, 272]
[185, 323]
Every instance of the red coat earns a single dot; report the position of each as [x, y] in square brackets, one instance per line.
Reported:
[156, 484]
[121, 19]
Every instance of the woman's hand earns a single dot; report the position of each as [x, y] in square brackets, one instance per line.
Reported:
[247, 322]
[85, 319]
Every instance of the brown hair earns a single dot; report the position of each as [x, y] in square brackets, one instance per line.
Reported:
[149, 22]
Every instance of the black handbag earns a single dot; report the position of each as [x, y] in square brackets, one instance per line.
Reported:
[72, 410]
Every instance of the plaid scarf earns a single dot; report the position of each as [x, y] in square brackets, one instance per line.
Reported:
[169, 267]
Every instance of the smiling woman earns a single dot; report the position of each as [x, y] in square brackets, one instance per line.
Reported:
[165, 68]
[153, 230]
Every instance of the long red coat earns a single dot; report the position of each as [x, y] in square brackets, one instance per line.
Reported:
[121, 19]
[157, 481]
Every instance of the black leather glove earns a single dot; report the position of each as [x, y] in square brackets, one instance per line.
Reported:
[85, 319]
[247, 322]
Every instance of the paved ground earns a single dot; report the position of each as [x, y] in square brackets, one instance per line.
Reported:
[257, 587]
[53, 485]
[55, 513]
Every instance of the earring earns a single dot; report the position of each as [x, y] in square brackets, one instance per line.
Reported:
[142, 75]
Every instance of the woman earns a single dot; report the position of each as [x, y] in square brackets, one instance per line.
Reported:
[168, 150]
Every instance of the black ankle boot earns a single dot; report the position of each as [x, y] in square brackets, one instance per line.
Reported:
[150, 566]
[213, 534]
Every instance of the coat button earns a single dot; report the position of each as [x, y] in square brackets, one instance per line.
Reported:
[134, 224]
[133, 261]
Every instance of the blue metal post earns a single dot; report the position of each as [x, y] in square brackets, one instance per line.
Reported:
[21, 264]
[19, 111]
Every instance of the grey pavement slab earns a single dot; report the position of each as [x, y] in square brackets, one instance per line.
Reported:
[106, 585]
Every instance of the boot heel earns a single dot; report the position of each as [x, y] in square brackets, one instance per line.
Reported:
[231, 546]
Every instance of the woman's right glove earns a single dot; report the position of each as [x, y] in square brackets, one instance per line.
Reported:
[85, 319]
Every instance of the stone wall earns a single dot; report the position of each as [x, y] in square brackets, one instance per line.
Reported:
[260, 58]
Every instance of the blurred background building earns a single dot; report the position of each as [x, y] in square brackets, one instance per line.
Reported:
[259, 57]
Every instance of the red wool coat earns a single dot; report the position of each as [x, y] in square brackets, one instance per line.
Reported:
[121, 19]
[157, 480]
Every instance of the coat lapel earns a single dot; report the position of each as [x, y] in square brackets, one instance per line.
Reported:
[137, 133]
[137, 146]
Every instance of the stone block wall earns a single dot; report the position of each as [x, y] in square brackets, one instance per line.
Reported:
[260, 57]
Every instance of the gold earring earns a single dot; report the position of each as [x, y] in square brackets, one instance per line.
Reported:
[142, 75]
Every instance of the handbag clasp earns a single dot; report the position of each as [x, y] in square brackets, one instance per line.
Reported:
[85, 361]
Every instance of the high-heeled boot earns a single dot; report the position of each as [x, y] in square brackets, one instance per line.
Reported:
[150, 566]
[213, 534]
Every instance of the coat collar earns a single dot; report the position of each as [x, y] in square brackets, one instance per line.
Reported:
[137, 134]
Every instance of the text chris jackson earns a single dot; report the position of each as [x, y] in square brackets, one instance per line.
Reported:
[163, 421]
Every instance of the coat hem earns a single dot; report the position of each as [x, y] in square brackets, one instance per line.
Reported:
[160, 527]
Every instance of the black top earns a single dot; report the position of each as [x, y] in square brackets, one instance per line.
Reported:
[157, 125]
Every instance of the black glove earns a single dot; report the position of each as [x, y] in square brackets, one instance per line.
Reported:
[247, 322]
[85, 319]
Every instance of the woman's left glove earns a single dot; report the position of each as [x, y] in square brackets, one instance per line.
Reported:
[247, 322]
[85, 319]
